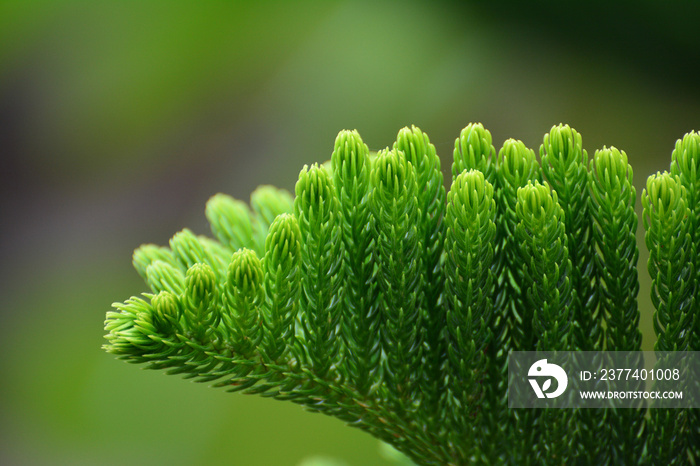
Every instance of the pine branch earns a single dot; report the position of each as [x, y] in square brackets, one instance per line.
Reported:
[376, 297]
[316, 208]
[666, 220]
[547, 270]
[612, 204]
[282, 285]
[399, 259]
[514, 434]
[564, 164]
[361, 318]
[474, 151]
[267, 202]
[516, 167]
[686, 165]
[469, 244]
[231, 222]
[667, 225]
[430, 196]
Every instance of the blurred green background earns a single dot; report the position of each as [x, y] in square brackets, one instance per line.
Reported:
[118, 120]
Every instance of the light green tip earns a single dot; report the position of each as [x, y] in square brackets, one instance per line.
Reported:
[245, 273]
[314, 193]
[146, 254]
[470, 189]
[537, 203]
[268, 202]
[686, 157]
[516, 163]
[166, 308]
[611, 168]
[415, 146]
[283, 241]
[230, 221]
[392, 174]
[564, 145]
[664, 193]
[473, 150]
[187, 248]
[350, 155]
[162, 276]
[200, 284]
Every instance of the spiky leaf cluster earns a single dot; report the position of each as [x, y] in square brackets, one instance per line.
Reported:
[430, 196]
[401, 282]
[516, 168]
[564, 164]
[361, 319]
[512, 433]
[612, 205]
[666, 219]
[376, 296]
[470, 281]
[545, 257]
[474, 150]
[685, 164]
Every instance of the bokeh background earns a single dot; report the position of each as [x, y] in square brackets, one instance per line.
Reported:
[118, 120]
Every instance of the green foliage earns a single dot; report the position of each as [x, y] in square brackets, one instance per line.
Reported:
[545, 258]
[564, 164]
[516, 167]
[547, 290]
[361, 318]
[376, 296]
[281, 271]
[399, 255]
[686, 166]
[468, 298]
[430, 196]
[316, 207]
[512, 433]
[667, 219]
[612, 202]
[474, 150]
[613, 198]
